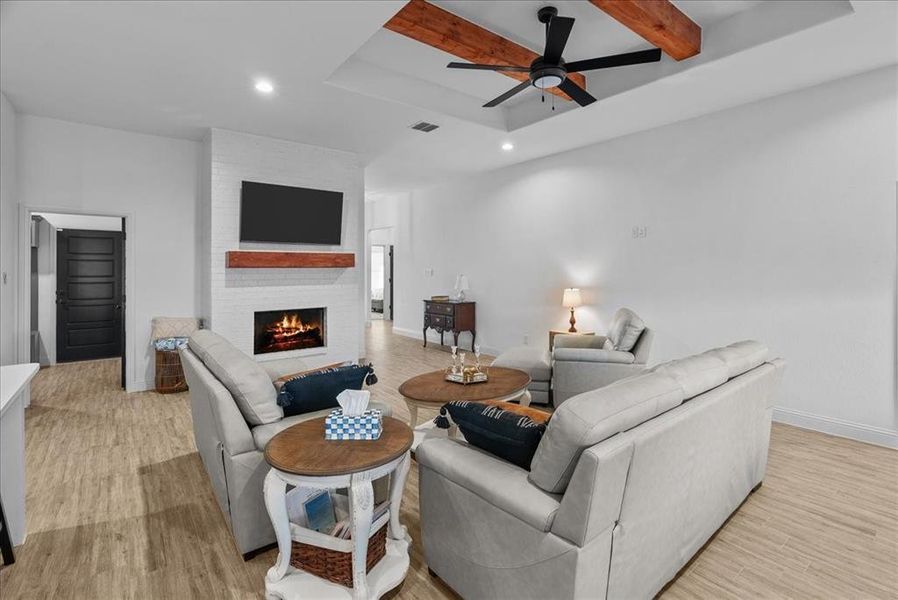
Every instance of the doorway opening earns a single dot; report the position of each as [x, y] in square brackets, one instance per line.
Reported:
[77, 288]
[378, 280]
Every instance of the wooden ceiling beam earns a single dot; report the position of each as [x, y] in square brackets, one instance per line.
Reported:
[440, 29]
[658, 21]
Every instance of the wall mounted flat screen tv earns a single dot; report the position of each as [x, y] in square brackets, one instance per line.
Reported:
[292, 215]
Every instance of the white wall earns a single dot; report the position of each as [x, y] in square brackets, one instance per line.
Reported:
[8, 232]
[235, 294]
[87, 222]
[775, 221]
[46, 291]
[153, 181]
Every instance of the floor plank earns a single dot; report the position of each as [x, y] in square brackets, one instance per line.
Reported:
[119, 505]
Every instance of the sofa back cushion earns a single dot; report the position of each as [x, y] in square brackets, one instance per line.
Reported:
[741, 356]
[626, 327]
[696, 374]
[244, 378]
[589, 418]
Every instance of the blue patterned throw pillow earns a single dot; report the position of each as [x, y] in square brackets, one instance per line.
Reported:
[495, 428]
[318, 390]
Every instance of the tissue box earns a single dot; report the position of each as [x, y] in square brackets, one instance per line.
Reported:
[366, 426]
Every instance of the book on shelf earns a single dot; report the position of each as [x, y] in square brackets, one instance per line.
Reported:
[439, 298]
[343, 530]
[320, 512]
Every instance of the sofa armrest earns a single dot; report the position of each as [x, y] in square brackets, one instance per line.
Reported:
[496, 481]
[592, 500]
[593, 355]
[569, 340]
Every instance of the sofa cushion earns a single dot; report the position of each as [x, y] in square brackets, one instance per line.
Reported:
[589, 418]
[317, 390]
[741, 356]
[247, 381]
[262, 434]
[534, 361]
[696, 374]
[507, 434]
[626, 327]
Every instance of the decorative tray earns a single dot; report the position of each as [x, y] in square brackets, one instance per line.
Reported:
[465, 379]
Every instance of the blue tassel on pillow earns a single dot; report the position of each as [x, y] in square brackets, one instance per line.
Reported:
[284, 397]
[442, 421]
[371, 378]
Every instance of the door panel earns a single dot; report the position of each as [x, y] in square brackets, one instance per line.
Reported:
[89, 315]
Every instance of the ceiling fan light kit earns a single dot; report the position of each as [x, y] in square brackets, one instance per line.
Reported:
[551, 71]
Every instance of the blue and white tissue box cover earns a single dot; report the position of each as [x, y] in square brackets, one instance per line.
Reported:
[366, 426]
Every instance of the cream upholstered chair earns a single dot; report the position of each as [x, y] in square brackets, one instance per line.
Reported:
[581, 363]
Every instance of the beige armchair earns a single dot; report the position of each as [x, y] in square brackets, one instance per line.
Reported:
[581, 363]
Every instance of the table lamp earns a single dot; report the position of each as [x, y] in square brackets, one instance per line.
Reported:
[572, 300]
[461, 286]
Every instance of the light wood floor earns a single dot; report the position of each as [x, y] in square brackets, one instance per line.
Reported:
[119, 505]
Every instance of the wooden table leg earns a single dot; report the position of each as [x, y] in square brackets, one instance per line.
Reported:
[398, 531]
[412, 414]
[361, 500]
[275, 491]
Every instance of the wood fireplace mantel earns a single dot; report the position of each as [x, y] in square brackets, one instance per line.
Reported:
[256, 259]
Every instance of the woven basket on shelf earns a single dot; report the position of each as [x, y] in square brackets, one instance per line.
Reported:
[169, 372]
[334, 565]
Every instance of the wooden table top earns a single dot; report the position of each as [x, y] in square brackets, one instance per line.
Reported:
[433, 387]
[302, 450]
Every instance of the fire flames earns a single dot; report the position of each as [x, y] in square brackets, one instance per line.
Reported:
[289, 326]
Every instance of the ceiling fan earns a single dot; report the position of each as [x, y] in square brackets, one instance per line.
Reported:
[550, 70]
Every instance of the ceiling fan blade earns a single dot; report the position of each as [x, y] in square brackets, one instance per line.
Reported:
[577, 93]
[500, 99]
[616, 60]
[476, 67]
[556, 38]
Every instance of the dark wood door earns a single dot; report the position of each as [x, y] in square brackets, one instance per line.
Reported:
[89, 286]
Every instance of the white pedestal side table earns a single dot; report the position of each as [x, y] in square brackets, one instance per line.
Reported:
[300, 456]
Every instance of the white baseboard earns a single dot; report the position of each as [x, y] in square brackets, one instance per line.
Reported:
[417, 335]
[879, 436]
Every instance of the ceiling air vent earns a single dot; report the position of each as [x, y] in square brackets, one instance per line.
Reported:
[424, 126]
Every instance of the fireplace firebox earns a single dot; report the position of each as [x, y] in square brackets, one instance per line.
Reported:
[295, 329]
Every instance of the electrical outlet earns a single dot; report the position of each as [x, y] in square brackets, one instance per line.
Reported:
[640, 231]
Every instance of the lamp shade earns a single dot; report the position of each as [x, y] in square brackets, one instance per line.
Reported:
[571, 298]
[461, 283]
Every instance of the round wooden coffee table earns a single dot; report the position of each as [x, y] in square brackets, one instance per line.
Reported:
[300, 456]
[431, 391]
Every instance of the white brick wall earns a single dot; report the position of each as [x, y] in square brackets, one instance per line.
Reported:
[232, 295]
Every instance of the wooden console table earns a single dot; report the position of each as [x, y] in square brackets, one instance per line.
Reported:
[451, 316]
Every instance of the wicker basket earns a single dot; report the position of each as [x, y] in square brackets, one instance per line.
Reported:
[334, 565]
[169, 372]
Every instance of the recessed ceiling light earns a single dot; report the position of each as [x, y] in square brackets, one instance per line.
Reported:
[508, 146]
[264, 86]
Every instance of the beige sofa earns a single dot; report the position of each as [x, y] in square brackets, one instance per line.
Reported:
[235, 414]
[627, 484]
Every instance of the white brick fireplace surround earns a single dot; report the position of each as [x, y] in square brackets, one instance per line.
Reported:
[231, 296]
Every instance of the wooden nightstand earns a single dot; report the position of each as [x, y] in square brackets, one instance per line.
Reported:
[554, 332]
